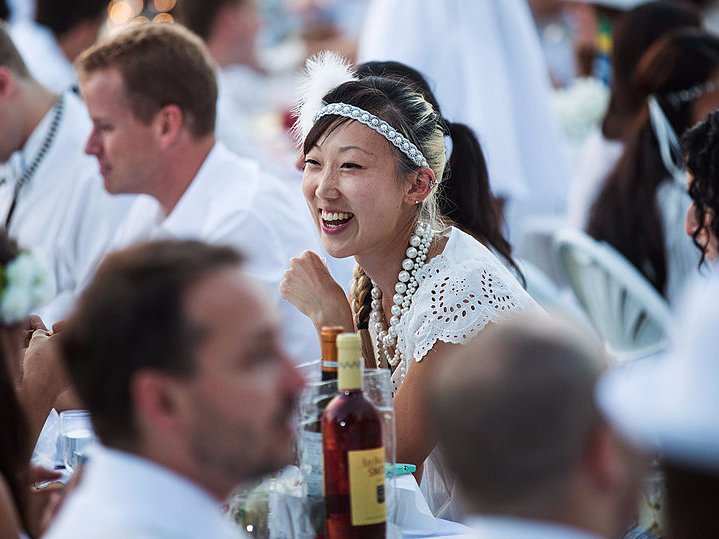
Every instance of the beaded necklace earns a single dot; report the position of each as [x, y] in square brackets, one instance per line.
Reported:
[29, 172]
[416, 255]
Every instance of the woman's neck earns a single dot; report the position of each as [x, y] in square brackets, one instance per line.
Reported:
[383, 264]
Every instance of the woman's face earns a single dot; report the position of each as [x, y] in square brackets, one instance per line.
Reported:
[708, 241]
[356, 199]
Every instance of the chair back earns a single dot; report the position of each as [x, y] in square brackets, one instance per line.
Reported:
[631, 317]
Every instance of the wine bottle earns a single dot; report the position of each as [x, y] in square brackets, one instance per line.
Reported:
[353, 452]
[312, 433]
[328, 338]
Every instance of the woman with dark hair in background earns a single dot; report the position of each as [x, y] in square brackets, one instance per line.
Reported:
[641, 207]
[635, 32]
[466, 199]
[700, 146]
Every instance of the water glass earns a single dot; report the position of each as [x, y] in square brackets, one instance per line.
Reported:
[77, 437]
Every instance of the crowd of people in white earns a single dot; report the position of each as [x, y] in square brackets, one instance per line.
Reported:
[193, 254]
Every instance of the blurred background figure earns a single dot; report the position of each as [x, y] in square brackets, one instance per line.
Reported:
[489, 72]
[230, 31]
[517, 425]
[60, 31]
[51, 193]
[642, 206]
[636, 31]
[700, 146]
[668, 405]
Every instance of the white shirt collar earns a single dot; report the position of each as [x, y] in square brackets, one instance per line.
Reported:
[152, 492]
[191, 209]
[504, 527]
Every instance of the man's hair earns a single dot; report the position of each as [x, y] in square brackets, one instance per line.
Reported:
[61, 16]
[160, 64]
[199, 15]
[9, 55]
[514, 410]
[131, 319]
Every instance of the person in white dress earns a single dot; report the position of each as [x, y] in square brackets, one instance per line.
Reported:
[151, 93]
[191, 393]
[516, 421]
[375, 159]
[489, 73]
[51, 194]
[642, 207]
[59, 31]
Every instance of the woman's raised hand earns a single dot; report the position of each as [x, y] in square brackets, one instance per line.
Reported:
[309, 286]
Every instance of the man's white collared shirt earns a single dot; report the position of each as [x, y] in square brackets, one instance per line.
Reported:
[124, 496]
[63, 211]
[500, 527]
[232, 201]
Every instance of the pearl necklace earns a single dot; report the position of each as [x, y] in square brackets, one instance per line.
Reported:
[419, 244]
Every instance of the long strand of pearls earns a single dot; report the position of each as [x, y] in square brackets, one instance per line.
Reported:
[416, 254]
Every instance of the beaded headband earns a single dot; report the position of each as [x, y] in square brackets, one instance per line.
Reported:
[324, 72]
[373, 122]
[690, 94]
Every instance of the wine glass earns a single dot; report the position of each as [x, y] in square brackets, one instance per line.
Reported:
[77, 437]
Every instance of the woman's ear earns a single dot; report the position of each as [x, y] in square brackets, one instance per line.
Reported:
[422, 183]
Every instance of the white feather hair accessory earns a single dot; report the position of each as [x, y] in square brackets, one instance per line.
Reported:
[323, 72]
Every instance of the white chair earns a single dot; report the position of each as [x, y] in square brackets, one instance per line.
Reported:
[630, 316]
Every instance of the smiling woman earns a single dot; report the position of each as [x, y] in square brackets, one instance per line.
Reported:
[374, 164]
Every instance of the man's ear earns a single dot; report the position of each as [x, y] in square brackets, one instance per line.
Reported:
[157, 400]
[605, 458]
[8, 82]
[422, 183]
[169, 122]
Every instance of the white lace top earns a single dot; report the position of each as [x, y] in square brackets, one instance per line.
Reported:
[460, 291]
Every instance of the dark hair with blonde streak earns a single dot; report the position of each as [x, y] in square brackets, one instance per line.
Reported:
[466, 195]
[407, 111]
[161, 65]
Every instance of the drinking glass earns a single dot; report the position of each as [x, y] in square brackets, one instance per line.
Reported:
[77, 437]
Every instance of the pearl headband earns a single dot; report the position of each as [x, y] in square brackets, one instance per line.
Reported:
[324, 72]
[690, 94]
[373, 122]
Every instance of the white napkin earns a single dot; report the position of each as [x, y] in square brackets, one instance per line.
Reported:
[407, 507]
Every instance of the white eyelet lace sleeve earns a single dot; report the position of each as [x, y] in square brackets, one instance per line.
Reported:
[456, 300]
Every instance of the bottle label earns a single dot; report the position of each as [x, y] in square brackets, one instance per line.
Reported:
[367, 494]
[312, 462]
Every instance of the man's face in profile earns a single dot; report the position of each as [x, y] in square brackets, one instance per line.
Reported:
[240, 401]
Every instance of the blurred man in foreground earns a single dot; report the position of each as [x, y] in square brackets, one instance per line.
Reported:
[178, 359]
[518, 425]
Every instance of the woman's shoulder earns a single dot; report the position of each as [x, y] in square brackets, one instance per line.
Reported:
[460, 292]
[466, 259]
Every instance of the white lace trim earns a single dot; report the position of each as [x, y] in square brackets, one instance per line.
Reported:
[456, 299]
